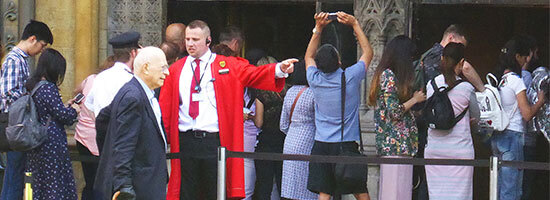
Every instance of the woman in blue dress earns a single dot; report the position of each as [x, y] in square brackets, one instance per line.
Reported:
[300, 132]
[50, 163]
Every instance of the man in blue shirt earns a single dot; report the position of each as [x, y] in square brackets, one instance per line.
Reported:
[324, 75]
[15, 71]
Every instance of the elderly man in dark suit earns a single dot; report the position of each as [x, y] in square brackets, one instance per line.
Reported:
[133, 154]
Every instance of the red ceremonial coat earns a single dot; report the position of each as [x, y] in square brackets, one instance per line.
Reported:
[229, 90]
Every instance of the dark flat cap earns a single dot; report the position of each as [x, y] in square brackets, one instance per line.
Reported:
[125, 40]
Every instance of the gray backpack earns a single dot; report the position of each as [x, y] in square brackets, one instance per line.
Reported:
[24, 132]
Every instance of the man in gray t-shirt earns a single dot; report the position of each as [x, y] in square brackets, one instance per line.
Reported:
[324, 76]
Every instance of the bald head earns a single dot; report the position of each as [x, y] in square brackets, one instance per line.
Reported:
[150, 66]
[176, 33]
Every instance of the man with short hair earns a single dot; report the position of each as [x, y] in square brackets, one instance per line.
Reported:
[15, 72]
[233, 37]
[108, 82]
[133, 160]
[202, 105]
[176, 33]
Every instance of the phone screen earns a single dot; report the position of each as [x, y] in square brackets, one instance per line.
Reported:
[78, 98]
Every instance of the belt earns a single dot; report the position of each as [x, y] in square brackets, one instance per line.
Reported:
[201, 134]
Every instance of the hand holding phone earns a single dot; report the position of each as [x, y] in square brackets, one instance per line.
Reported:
[78, 98]
[332, 16]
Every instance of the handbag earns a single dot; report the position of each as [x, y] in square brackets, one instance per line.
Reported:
[348, 175]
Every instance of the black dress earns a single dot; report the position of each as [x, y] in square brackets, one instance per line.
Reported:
[270, 140]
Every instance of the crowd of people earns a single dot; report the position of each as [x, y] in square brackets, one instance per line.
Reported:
[189, 96]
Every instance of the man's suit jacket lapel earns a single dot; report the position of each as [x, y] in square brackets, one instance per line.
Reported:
[150, 112]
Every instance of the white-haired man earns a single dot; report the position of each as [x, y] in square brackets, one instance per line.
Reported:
[134, 141]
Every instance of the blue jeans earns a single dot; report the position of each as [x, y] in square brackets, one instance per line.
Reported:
[508, 146]
[14, 176]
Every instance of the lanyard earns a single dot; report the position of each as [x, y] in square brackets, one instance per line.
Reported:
[198, 82]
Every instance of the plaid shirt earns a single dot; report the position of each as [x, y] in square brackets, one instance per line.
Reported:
[14, 74]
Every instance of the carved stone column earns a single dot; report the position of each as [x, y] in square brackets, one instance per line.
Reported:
[10, 23]
[144, 16]
[381, 20]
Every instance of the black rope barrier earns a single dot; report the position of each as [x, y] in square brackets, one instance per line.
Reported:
[355, 160]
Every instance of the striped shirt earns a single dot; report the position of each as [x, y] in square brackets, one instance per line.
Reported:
[14, 74]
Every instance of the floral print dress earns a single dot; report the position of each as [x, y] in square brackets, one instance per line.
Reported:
[396, 132]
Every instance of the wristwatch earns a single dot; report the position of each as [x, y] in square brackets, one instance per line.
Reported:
[315, 30]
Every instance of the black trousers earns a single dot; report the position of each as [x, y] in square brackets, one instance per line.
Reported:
[89, 169]
[199, 168]
[419, 172]
[267, 171]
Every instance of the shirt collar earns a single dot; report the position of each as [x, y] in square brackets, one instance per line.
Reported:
[150, 93]
[204, 58]
[123, 66]
[20, 52]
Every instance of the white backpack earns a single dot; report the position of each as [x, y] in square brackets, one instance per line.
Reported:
[492, 115]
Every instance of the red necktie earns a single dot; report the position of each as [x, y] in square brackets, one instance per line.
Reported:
[194, 105]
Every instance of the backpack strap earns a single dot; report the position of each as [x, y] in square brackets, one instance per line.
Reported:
[436, 89]
[459, 117]
[37, 86]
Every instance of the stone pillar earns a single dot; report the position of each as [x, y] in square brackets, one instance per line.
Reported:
[381, 20]
[10, 24]
[86, 39]
[60, 16]
[103, 29]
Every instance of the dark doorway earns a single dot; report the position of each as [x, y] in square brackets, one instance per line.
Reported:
[488, 28]
[282, 29]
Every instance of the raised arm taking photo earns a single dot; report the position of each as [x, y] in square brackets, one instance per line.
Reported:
[321, 20]
[366, 49]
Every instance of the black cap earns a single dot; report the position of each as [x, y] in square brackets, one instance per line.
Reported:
[125, 40]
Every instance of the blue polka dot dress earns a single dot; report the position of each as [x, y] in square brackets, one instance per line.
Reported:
[50, 163]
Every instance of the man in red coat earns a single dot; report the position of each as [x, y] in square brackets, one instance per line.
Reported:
[201, 103]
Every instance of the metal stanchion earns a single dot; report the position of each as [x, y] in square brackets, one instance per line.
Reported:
[28, 186]
[221, 173]
[493, 178]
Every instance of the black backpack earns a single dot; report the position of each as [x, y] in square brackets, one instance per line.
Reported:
[438, 110]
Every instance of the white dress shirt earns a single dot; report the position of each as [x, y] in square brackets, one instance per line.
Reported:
[154, 105]
[207, 120]
[106, 86]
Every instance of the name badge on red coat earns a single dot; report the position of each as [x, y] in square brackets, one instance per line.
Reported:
[223, 71]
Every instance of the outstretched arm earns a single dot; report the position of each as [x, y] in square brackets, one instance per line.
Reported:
[350, 20]
[471, 75]
[321, 20]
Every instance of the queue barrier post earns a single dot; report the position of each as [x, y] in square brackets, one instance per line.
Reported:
[221, 173]
[28, 186]
[493, 178]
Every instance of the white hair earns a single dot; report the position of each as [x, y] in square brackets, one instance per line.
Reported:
[148, 55]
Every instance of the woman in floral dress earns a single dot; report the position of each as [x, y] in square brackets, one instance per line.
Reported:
[396, 132]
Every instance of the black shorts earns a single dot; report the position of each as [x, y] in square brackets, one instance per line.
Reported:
[321, 175]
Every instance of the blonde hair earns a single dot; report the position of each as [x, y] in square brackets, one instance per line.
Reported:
[266, 60]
